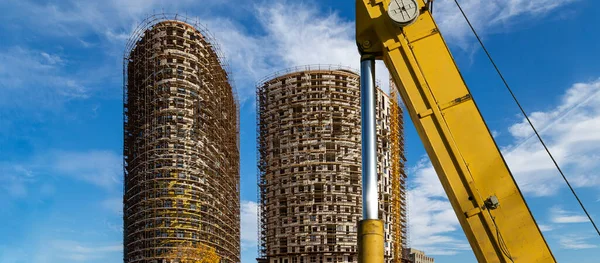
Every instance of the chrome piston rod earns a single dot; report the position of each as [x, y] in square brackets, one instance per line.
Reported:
[369, 139]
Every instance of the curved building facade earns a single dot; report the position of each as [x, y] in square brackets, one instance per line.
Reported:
[181, 152]
[309, 146]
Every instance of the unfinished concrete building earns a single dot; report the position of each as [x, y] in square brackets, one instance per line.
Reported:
[181, 152]
[418, 256]
[309, 147]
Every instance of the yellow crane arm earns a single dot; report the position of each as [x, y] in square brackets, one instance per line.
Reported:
[489, 205]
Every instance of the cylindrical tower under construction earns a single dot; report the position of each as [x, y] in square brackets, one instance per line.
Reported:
[181, 152]
[309, 162]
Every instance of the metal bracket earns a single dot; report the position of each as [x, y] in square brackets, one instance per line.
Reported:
[473, 212]
[456, 101]
[492, 202]
[426, 113]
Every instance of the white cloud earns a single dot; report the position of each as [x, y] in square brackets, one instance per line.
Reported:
[300, 35]
[249, 224]
[76, 247]
[576, 242]
[15, 187]
[114, 205]
[48, 80]
[546, 228]
[114, 227]
[46, 250]
[293, 34]
[75, 251]
[303, 36]
[432, 221]
[495, 134]
[47, 189]
[102, 168]
[11, 254]
[248, 56]
[288, 33]
[106, 18]
[21, 183]
[15, 180]
[570, 131]
[558, 215]
[489, 16]
[36, 78]
[52, 59]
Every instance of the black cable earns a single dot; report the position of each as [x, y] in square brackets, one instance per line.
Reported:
[502, 244]
[428, 7]
[527, 117]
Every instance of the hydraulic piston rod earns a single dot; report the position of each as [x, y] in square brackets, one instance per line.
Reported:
[369, 140]
[370, 229]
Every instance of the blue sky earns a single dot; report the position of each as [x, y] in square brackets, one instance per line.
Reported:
[61, 108]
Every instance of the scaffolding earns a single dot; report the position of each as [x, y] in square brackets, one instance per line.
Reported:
[309, 165]
[181, 143]
[398, 177]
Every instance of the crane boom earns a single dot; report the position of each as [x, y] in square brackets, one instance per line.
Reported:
[488, 203]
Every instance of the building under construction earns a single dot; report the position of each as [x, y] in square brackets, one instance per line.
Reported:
[181, 152]
[309, 147]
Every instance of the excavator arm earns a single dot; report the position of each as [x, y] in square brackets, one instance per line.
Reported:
[488, 203]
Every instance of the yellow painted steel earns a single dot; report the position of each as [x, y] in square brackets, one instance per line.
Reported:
[370, 241]
[456, 138]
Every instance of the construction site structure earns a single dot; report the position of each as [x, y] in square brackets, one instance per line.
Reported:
[418, 256]
[309, 167]
[398, 200]
[181, 143]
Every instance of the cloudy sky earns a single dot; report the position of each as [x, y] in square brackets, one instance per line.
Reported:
[61, 112]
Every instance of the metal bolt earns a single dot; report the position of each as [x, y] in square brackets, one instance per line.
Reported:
[366, 44]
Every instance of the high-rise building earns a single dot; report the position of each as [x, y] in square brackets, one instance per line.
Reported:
[309, 146]
[418, 256]
[181, 152]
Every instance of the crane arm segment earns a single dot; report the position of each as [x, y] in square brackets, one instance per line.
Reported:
[488, 203]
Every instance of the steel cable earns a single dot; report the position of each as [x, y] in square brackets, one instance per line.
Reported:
[526, 116]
